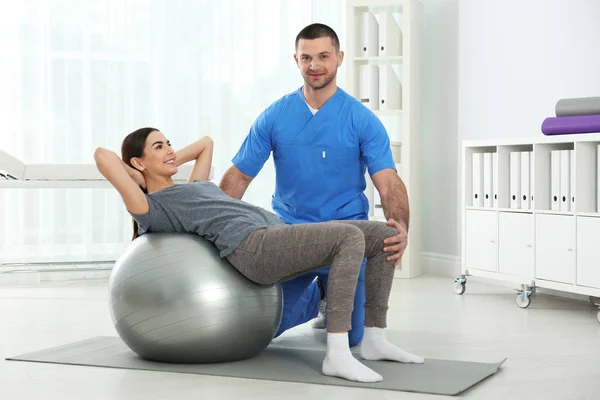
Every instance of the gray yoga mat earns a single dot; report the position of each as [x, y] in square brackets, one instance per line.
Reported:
[278, 363]
[577, 106]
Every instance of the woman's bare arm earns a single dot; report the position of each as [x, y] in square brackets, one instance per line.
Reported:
[124, 178]
[202, 152]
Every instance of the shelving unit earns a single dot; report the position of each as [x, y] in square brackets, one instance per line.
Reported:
[388, 113]
[375, 60]
[388, 40]
[541, 246]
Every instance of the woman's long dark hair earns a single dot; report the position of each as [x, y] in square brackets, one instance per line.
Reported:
[133, 146]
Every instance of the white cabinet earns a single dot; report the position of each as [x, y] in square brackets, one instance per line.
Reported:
[588, 251]
[538, 246]
[515, 244]
[481, 239]
[555, 248]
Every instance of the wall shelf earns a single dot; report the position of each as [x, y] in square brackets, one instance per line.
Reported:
[387, 113]
[379, 60]
[384, 44]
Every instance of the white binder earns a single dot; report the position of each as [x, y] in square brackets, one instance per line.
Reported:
[487, 180]
[390, 35]
[377, 207]
[370, 35]
[495, 179]
[515, 179]
[555, 180]
[531, 180]
[477, 183]
[572, 179]
[390, 89]
[399, 169]
[565, 177]
[525, 180]
[369, 86]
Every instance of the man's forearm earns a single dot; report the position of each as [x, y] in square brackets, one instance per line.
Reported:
[233, 185]
[394, 201]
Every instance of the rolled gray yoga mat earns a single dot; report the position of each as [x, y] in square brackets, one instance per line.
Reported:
[578, 106]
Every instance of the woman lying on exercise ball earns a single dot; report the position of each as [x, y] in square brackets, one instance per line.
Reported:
[258, 243]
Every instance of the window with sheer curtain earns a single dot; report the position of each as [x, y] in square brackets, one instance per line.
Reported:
[76, 75]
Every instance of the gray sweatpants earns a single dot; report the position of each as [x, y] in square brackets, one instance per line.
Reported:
[281, 253]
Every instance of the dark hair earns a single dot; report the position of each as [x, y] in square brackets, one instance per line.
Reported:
[315, 31]
[133, 146]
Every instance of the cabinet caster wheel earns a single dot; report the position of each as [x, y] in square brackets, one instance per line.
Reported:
[595, 300]
[523, 300]
[460, 285]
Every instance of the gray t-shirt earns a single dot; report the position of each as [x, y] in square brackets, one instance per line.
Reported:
[202, 208]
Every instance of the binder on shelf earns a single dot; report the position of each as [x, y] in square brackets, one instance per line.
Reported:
[370, 35]
[598, 178]
[565, 177]
[477, 177]
[390, 35]
[526, 180]
[390, 89]
[495, 180]
[531, 180]
[369, 86]
[377, 207]
[515, 179]
[487, 180]
[572, 178]
[555, 180]
[396, 153]
[399, 170]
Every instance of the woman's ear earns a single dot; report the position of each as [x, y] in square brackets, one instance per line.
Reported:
[137, 164]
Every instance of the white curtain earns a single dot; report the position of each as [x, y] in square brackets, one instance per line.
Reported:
[75, 75]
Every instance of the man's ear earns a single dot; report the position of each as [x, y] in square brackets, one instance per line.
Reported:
[137, 164]
[340, 58]
[296, 59]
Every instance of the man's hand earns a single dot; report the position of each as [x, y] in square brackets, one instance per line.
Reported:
[394, 200]
[396, 244]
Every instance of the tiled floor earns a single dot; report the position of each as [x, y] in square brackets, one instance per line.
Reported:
[553, 347]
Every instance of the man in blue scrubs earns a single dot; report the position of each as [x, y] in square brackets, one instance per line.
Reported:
[323, 141]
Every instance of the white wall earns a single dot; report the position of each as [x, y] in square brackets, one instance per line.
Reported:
[440, 131]
[518, 58]
[494, 69]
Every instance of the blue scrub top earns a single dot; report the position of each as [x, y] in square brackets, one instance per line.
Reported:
[320, 160]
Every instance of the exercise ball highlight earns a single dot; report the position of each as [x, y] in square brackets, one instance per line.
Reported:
[173, 299]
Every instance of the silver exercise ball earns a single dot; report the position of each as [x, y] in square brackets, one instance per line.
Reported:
[173, 299]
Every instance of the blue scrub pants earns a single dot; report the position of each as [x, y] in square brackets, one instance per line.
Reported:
[301, 298]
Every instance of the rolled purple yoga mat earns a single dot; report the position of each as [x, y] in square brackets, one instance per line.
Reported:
[572, 124]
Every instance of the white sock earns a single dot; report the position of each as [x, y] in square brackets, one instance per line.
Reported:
[340, 362]
[375, 346]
